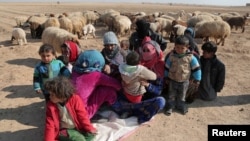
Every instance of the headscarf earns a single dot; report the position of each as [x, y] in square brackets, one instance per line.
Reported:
[73, 50]
[152, 56]
[142, 28]
[89, 61]
[113, 56]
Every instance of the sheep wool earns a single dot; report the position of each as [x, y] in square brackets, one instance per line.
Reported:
[19, 35]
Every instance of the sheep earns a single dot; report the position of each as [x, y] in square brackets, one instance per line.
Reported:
[178, 15]
[216, 29]
[52, 21]
[155, 26]
[56, 37]
[19, 35]
[122, 25]
[78, 23]
[36, 25]
[237, 21]
[195, 19]
[20, 21]
[91, 16]
[88, 29]
[165, 25]
[66, 23]
[177, 31]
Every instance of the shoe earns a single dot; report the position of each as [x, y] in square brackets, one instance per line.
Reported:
[168, 112]
[184, 110]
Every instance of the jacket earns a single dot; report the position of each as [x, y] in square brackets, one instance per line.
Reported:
[131, 80]
[213, 72]
[76, 109]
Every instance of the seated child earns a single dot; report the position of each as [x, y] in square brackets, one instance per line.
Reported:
[134, 77]
[66, 116]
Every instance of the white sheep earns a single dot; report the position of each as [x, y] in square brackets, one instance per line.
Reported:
[19, 35]
[122, 25]
[215, 29]
[165, 25]
[66, 23]
[52, 21]
[88, 29]
[195, 19]
[91, 16]
[178, 15]
[21, 20]
[78, 23]
[56, 37]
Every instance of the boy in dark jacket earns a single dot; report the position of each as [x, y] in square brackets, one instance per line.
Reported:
[213, 73]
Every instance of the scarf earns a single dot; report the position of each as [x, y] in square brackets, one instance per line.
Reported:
[73, 50]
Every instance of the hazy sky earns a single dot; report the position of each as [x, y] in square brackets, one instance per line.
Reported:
[208, 2]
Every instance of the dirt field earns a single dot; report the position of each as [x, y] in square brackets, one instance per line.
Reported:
[22, 110]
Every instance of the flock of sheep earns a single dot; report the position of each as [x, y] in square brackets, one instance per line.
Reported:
[54, 29]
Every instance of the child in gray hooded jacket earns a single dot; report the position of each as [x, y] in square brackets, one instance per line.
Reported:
[135, 77]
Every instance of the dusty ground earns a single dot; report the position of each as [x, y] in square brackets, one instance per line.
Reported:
[22, 110]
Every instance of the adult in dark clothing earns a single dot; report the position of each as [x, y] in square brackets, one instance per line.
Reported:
[213, 73]
[190, 34]
[142, 30]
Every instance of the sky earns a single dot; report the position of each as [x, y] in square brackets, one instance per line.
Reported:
[198, 2]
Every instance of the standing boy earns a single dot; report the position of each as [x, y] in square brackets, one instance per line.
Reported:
[180, 64]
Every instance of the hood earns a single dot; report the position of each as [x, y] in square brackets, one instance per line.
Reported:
[128, 72]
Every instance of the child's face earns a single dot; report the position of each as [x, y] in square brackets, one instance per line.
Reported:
[207, 55]
[124, 46]
[181, 49]
[54, 99]
[47, 57]
[65, 51]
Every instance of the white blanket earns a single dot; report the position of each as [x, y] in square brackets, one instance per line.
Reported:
[114, 129]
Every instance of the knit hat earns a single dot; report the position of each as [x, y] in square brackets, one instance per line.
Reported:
[89, 61]
[110, 38]
[190, 31]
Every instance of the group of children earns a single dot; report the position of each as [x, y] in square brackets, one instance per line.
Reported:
[76, 84]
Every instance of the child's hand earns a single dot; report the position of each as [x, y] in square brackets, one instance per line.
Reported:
[107, 69]
[144, 83]
[39, 91]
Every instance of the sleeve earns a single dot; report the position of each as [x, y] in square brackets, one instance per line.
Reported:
[195, 68]
[161, 41]
[155, 87]
[36, 79]
[220, 81]
[50, 129]
[148, 74]
[82, 115]
[167, 66]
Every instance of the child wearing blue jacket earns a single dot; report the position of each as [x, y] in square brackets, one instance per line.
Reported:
[180, 66]
[47, 69]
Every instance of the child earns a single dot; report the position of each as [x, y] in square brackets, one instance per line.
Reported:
[47, 69]
[132, 74]
[213, 72]
[124, 48]
[71, 50]
[66, 117]
[67, 69]
[178, 67]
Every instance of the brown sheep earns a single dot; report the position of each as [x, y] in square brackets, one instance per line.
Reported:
[237, 21]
